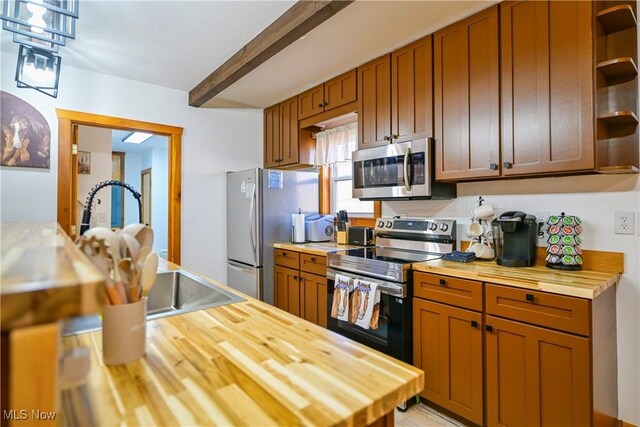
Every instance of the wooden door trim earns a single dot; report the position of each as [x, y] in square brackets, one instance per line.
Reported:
[69, 120]
[142, 174]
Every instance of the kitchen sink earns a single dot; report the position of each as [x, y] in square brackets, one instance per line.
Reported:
[173, 293]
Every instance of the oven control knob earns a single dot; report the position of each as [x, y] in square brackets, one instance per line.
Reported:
[389, 224]
[433, 226]
[444, 227]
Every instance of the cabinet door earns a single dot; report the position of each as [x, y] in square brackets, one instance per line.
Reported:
[447, 345]
[412, 91]
[374, 102]
[547, 87]
[271, 136]
[287, 289]
[340, 90]
[467, 98]
[536, 377]
[314, 299]
[289, 131]
[311, 102]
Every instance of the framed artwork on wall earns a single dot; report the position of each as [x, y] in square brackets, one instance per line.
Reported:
[84, 162]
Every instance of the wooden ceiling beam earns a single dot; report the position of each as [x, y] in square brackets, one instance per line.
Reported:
[301, 18]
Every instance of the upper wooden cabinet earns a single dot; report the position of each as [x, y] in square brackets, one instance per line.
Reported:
[285, 145]
[336, 92]
[467, 98]
[395, 96]
[547, 87]
[272, 136]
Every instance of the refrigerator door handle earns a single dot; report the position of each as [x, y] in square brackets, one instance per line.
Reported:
[252, 235]
[236, 266]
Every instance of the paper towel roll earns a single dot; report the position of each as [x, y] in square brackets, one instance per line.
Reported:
[297, 230]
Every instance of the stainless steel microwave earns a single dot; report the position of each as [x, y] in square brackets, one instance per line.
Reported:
[398, 171]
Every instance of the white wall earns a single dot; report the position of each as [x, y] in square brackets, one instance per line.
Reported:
[98, 142]
[594, 199]
[132, 170]
[214, 141]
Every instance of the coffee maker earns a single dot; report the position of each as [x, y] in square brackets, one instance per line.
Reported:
[514, 236]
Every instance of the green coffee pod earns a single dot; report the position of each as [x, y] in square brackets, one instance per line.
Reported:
[553, 220]
[578, 239]
[568, 260]
[568, 220]
[568, 240]
[578, 259]
[568, 250]
[554, 239]
[578, 220]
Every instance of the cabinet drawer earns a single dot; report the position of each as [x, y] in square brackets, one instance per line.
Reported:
[314, 264]
[539, 308]
[449, 290]
[289, 259]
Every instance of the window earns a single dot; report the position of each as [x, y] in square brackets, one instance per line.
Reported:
[341, 190]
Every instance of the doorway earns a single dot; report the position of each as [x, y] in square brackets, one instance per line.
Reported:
[68, 124]
[145, 179]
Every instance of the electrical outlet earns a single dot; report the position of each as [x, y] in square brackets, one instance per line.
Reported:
[624, 222]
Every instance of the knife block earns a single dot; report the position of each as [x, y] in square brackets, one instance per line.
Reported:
[341, 237]
[124, 332]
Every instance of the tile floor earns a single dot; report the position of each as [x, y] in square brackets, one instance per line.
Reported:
[421, 415]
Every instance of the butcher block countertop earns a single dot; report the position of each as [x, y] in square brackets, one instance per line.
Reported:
[247, 363]
[44, 276]
[583, 284]
[314, 248]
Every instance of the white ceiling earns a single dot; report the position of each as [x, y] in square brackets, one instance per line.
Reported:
[176, 44]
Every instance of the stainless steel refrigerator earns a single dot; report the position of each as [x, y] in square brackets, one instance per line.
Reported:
[259, 207]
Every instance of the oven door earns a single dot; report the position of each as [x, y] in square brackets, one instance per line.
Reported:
[392, 171]
[393, 335]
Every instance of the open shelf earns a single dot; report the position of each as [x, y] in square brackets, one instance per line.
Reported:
[617, 18]
[619, 118]
[618, 68]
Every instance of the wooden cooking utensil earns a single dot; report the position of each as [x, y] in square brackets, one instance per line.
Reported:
[149, 271]
[98, 251]
[128, 268]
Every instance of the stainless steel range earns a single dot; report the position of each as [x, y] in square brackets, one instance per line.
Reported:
[399, 243]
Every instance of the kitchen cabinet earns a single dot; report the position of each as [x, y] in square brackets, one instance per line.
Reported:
[395, 96]
[285, 146]
[447, 343]
[301, 285]
[467, 98]
[547, 359]
[536, 376]
[547, 87]
[334, 93]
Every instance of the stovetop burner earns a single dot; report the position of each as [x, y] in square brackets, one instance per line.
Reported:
[390, 255]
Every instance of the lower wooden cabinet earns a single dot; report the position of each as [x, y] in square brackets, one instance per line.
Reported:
[447, 345]
[536, 376]
[302, 292]
[314, 298]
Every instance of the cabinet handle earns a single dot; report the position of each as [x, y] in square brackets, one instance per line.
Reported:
[313, 259]
[493, 166]
[386, 138]
[530, 297]
[507, 165]
[442, 282]
[488, 328]
[474, 324]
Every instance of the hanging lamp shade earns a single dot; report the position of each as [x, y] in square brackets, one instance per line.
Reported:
[45, 20]
[38, 69]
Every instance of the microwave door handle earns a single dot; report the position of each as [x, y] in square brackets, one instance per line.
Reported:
[407, 182]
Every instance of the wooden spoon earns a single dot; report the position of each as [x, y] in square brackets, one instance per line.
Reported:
[128, 269]
[129, 247]
[149, 271]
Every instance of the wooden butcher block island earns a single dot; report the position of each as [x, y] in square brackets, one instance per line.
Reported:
[246, 363]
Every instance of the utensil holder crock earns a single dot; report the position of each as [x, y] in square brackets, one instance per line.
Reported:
[124, 332]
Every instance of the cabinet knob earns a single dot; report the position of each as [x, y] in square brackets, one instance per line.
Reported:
[326, 104]
[474, 324]
[313, 259]
[530, 297]
[284, 254]
[507, 165]
[488, 328]
[442, 282]
[320, 105]
[295, 278]
[386, 138]
[493, 166]
[394, 136]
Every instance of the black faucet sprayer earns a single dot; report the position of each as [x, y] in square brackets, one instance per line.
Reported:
[86, 214]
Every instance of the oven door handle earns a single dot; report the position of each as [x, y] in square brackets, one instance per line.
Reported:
[393, 289]
[407, 182]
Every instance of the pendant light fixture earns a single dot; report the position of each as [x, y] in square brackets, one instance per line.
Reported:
[40, 28]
